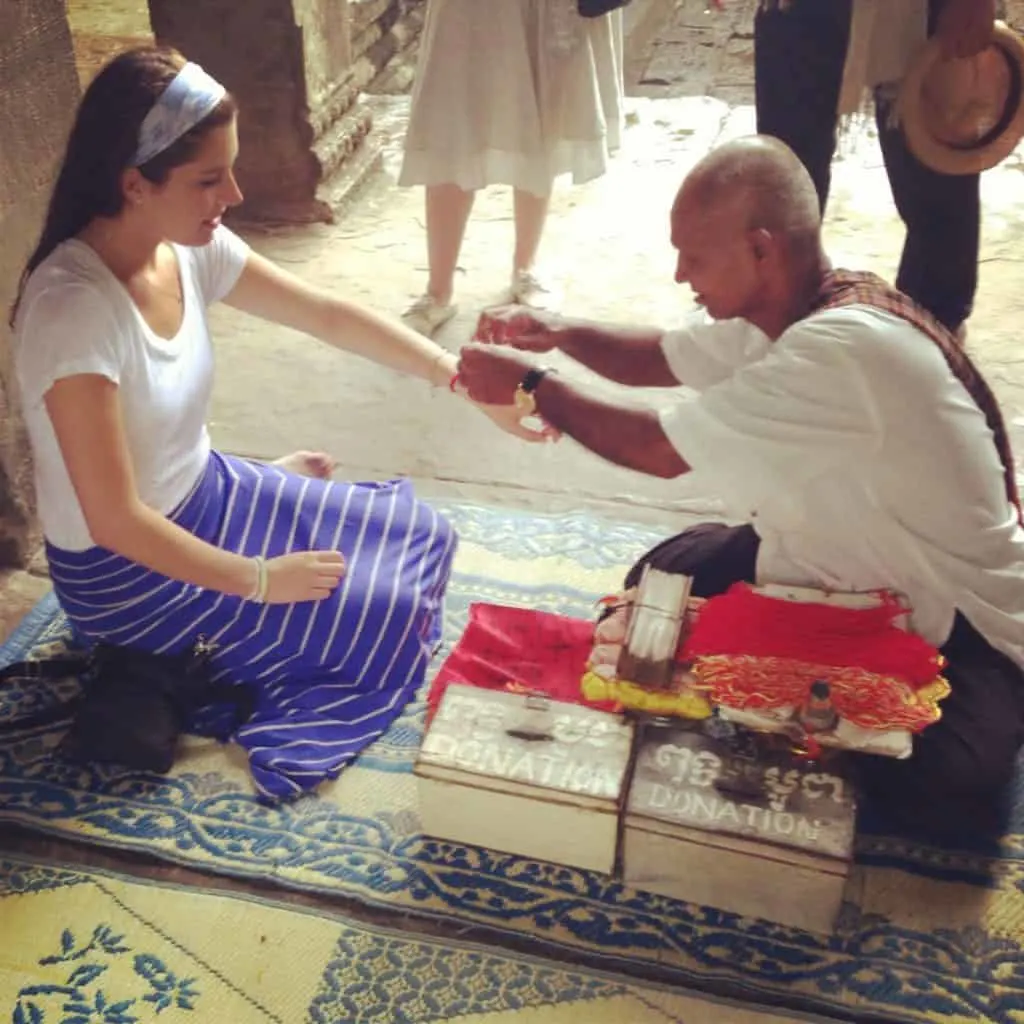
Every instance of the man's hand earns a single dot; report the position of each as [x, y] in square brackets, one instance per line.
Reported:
[522, 327]
[494, 375]
[965, 27]
[491, 375]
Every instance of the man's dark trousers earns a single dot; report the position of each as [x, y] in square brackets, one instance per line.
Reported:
[799, 56]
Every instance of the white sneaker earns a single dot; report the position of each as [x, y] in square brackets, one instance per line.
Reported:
[528, 289]
[427, 316]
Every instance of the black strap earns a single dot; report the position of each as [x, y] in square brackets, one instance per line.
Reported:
[44, 668]
[239, 699]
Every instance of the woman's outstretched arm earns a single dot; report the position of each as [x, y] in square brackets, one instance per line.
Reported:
[271, 293]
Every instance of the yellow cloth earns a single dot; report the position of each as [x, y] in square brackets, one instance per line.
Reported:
[638, 698]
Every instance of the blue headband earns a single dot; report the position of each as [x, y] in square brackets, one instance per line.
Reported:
[191, 95]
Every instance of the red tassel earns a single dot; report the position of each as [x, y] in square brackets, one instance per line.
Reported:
[743, 622]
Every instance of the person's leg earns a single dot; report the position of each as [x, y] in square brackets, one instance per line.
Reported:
[942, 214]
[448, 208]
[531, 212]
[715, 555]
[954, 783]
[799, 53]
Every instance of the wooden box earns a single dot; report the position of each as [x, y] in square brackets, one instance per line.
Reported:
[525, 775]
[734, 824]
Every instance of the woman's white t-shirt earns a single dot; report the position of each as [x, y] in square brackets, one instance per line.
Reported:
[77, 318]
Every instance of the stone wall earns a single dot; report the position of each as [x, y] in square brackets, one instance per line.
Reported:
[38, 95]
[304, 136]
[256, 49]
[385, 36]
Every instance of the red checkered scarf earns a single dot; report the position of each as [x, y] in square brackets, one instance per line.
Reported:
[845, 288]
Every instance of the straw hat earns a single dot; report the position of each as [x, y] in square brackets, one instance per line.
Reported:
[965, 116]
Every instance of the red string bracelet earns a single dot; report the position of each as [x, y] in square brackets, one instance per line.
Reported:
[453, 382]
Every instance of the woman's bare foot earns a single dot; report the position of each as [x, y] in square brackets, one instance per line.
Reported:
[318, 465]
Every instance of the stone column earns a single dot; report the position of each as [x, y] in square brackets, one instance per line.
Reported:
[38, 95]
[303, 135]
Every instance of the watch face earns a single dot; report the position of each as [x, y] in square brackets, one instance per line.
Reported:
[524, 401]
[532, 379]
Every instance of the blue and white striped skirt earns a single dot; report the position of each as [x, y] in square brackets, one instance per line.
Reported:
[329, 676]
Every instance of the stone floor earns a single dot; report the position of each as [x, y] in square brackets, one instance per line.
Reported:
[689, 71]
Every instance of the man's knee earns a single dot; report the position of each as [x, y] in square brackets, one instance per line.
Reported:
[949, 787]
[963, 768]
[714, 554]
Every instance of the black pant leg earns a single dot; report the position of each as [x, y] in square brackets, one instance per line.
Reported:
[799, 54]
[955, 782]
[942, 214]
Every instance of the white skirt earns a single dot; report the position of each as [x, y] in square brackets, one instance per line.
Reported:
[514, 92]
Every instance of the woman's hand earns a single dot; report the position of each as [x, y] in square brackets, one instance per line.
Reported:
[497, 399]
[506, 417]
[303, 576]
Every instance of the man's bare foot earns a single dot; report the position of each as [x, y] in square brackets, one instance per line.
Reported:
[318, 465]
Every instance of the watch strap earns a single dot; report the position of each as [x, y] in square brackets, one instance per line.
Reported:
[525, 399]
[532, 378]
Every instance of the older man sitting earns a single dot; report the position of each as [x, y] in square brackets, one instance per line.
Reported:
[842, 423]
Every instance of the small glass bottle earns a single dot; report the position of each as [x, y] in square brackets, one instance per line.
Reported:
[818, 713]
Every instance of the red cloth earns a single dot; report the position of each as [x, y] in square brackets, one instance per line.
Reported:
[744, 623]
[519, 650]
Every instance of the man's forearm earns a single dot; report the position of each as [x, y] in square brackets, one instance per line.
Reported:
[628, 435]
[626, 355]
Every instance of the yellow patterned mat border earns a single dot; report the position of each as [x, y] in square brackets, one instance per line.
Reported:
[92, 946]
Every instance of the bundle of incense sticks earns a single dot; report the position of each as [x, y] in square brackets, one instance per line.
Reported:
[652, 636]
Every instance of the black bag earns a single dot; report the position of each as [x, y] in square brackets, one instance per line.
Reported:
[133, 705]
[595, 8]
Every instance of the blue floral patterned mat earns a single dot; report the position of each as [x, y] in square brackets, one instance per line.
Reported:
[925, 935]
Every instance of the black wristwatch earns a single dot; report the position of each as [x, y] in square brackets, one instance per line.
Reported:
[525, 397]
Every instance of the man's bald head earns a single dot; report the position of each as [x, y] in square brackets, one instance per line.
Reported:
[758, 181]
[746, 227]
